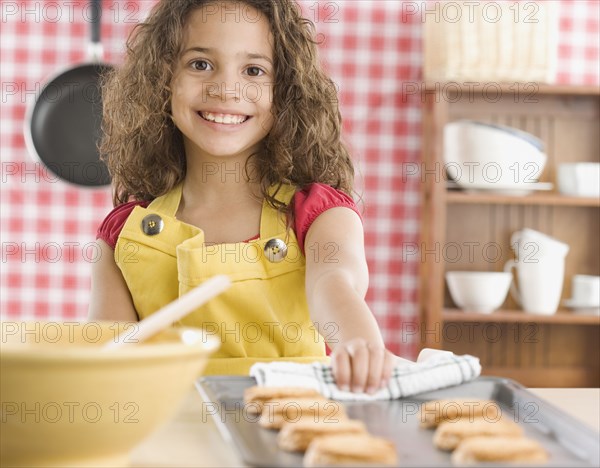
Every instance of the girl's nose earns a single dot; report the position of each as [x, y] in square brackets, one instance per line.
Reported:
[225, 87]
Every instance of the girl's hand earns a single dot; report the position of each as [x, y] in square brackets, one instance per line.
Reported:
[359, 366]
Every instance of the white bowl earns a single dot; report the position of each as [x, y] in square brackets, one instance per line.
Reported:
[478, 154]
[478, 291]
[579, 179]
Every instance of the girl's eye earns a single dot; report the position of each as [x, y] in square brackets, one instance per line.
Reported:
[255, 71]
[201, 65]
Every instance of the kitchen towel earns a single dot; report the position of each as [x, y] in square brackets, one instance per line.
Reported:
[434, 369]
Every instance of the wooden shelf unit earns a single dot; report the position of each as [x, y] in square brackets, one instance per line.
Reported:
[560, 350]
[518, 316]
[555, 199]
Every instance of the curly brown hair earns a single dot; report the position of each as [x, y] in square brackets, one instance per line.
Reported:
[144, 149]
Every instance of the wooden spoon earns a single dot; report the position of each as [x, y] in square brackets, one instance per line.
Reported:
[172, 312]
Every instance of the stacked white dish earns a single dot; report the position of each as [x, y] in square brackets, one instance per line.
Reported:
[495, 158]
[585, 294]
[579, 179]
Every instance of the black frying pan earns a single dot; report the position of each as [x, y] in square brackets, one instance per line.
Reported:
[62, 128]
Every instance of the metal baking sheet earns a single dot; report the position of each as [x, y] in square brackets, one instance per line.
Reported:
[568, 442]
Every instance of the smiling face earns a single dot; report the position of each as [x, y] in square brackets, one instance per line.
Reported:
[222, 82]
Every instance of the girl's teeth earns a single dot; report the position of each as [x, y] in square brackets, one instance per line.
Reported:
[223, 118]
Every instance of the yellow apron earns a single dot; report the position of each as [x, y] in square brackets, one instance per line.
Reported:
[262, 317]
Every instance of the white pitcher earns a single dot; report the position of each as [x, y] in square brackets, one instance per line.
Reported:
[540, 265]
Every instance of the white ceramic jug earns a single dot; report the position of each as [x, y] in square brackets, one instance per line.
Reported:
[540, 265]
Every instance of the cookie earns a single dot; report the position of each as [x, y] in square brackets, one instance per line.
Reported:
[254, 397]
[296, 436]
[475, 450]
[350, 450]
[449, 434]
[277, 411]
[434, 412]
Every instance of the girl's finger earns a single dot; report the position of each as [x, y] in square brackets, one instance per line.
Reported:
[340, 365]
[376, 361]
[359, 357]
[389, 363]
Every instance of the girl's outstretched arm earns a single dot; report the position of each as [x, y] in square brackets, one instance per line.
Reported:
[337, 279]
[110, 298]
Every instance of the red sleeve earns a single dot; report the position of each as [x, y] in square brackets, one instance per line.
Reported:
[314, 200]
[111, 227]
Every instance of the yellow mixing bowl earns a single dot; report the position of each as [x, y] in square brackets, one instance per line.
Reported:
[67, 402]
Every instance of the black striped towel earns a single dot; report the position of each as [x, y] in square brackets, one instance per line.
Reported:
[433, 370]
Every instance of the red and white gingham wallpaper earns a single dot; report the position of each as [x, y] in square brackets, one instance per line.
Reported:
[370, 47]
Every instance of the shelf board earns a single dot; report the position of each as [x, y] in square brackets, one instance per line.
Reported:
[553, 198]
[562, 317]
[525, 87]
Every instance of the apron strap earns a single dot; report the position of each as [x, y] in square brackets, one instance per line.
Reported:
[169, 203]
[273, 223]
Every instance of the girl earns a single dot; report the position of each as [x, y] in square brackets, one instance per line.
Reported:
[223, 142]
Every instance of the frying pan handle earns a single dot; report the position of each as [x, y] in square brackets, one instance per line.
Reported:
[95, 50]
[96, 16]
